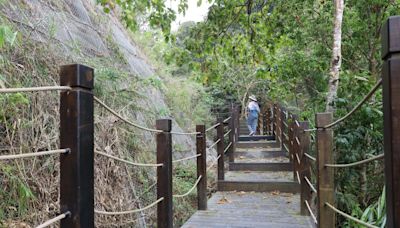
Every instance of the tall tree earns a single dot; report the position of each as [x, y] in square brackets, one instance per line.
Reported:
[336, 56]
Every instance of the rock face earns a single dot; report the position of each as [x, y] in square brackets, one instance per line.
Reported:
[82, 30]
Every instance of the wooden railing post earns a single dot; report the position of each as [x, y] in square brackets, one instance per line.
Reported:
[283, 129]
[231, 150]
[220, 148]
[268, 120]
[325, 176]
[201, 167]
[77, 134]
[237, 122]
[259, 123]
[391, 110]
[164, 174]
[292, 133]
[264, 119]
[305, 168]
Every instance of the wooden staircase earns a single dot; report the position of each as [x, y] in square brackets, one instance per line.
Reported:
[259, 166]
[258, 189]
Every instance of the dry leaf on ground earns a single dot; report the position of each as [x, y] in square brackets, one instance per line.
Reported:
[275, 193]
[223, 200]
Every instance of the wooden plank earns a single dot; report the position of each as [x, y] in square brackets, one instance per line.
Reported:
[273, 166]
[325, 176]
[259, 144]
[256, 138]
[261, 154]
[256, 186]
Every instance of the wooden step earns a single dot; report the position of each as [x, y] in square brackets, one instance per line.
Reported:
[258, 144]
[273, 166]
[258, 186]
[256, 137]
[261, 154]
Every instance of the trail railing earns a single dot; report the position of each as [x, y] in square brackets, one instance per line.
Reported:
[77, 153]
[294, 137]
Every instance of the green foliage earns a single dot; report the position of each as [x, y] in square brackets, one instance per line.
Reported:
[155, 12]
[13, 203]
[12, 104]
[184, 179]
[375, 214]
[7, 36]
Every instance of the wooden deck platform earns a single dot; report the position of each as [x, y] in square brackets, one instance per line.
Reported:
[249, 209]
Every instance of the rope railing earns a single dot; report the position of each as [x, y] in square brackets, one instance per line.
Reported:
[184, 133]
[227, 148]
[227, 119]
[126, 161]
[35, 154]
[356, 163]
[54, 220]
[311, 212]
[34, 89]
[112, 111]
[214, 162]
[191, 189]
[370, 93]
[129, 211]
[212, 127]
[310, 130]
[187, 158]
[227, 133]
[298, 159]
[297, 141]
[285, 136]
[285, 147]
[214, 144]
[310, 157]
[313, 189]
[349, 216]
[101, 103]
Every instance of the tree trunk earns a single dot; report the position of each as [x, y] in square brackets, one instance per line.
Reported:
[336, 56]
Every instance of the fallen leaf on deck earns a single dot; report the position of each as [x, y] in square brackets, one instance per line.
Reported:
[275, 193]
[241, 157]
[223, 200]
[241, 193]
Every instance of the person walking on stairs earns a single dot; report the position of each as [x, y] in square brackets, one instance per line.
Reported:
[252, 114]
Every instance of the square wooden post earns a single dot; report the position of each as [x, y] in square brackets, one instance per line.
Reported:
[305, 192]
[232, 149]
[77, 134]
[164, 174]
[325, 176]
[220, 148]
[201, 167]
[391, 114]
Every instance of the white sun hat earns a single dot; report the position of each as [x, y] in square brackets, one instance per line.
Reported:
[252, 97]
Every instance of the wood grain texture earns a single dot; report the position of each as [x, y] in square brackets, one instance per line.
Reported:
[237, 209]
